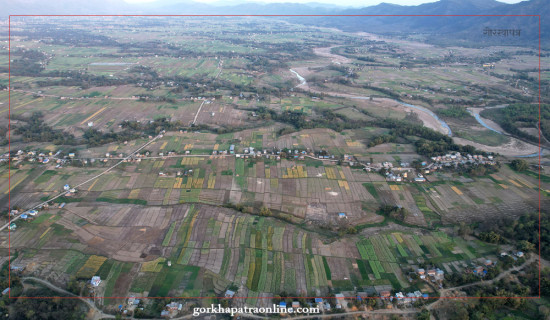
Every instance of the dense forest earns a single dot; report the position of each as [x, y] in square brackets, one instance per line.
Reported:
[523, 232]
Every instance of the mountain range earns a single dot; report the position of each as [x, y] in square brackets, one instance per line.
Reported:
[466, 28]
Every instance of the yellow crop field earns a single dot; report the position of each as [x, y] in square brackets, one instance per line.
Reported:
[455, 189]
[267, 173]
[163, 145]
[134, 193]
[93, 115]
[211, 181]
[216, 146]
[91, 266]
[197, 184]
[330, 173]
[496, 176]
[153, 266]
[398, 237]
[301, 172]
[22, 105]
[189, 183]
[394, 187]
[343, 184]
[158, 164]
[515, 183]
[164, 182]
[43, 234]
[295, 172]
[191, 161]
[503, 186]
[177, 184]
[342, 176]
[13, 185]
[92, 185]
[526, 183]
[188, 146]
[353, 143]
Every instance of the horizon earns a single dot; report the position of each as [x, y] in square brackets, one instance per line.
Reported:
[344, 3]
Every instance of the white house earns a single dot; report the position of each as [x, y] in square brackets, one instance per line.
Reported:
[95, 281]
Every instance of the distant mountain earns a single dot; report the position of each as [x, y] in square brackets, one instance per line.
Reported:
[447, 28]
[8, 7]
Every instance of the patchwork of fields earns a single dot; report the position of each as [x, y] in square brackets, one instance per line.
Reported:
[210, 248]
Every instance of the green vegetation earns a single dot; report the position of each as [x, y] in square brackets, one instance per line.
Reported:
[521, 115]
[454, 112]
[519, 165]
[168, 236]
[46, 176]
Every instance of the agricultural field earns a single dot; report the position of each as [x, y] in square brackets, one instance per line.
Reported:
[210, 156]
[175, 251]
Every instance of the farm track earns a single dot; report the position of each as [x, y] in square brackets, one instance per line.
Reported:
[98, 314]
[220, 64]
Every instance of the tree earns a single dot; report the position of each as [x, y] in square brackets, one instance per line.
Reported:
[525, 245]
[519, 165]
[423, 315]
[265, 212]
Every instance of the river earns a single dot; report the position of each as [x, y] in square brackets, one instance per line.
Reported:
[300, 78]
[421, 109]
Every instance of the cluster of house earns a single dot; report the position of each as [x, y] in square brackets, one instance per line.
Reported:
[34, 156]
[404, 297]
[171, 309]
[251, 152]
[404, 172]
[132, 304]
[514, 256]
[319, 302]
[404, 176]
[396, 174]
[455, 159]
[482, 270]
[27, 215]
[432, 274]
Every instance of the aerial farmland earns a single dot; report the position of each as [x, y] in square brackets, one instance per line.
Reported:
[296, 161]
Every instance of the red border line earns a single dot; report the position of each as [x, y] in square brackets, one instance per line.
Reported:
[540, 159]
[260, 15]
[9, 155]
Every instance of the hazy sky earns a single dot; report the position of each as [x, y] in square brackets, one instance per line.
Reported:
[355, 3]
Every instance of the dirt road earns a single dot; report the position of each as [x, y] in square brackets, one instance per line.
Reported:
[445, 292]
[97, 313]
